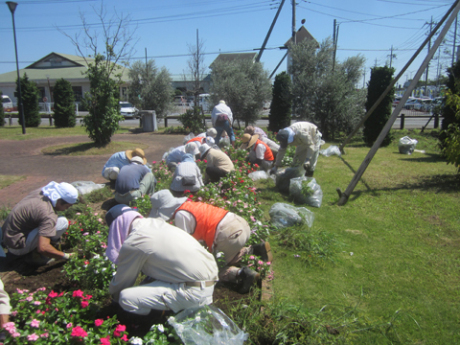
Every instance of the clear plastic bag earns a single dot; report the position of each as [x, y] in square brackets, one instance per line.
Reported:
[283, 178]
[206, 325]
[86, 187]
[312, 197]
[224, 142]
[406, 145]
[188, 137]
[285, 215]
[331, 150]
[258, 175]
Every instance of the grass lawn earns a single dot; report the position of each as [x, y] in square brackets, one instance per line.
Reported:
[6, 180]
[394, 276]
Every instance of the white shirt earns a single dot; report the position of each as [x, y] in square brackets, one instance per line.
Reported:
[221, 108]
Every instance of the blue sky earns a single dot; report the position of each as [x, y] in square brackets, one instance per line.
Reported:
[167, 29]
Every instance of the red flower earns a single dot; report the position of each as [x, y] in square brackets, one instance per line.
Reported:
[241, 181]
[84, 304]
[124, 337]
[106, 340]
[98, 322]
[118, 330]
[88, 297]
[79, 332]
[77, 293]
[186, 191]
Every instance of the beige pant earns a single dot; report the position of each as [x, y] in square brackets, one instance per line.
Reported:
[111, 173]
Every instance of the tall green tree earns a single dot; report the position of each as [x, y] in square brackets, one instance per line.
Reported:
[102, 102]
[243, 85]
[380, 78]
[451, 135]
[150, 88]
[2, 113]
[64, 104]
[30, 96]
[280, 107]
[322, 95]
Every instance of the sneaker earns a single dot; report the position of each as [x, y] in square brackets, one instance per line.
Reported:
[246, 278]
[35, 259]
[263, 250]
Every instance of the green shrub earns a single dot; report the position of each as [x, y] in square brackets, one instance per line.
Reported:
[29, 96]
[381, 77]
[193, 120]
[64, 104]
[2, 113]
[280, 108]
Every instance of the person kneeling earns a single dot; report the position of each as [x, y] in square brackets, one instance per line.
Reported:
[259, 152]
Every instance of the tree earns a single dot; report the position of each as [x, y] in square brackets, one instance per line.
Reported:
[381, 77]
[322, 95]
[150, 88]
[2, 113]
[104, 72]
[280, 108]
[196, 67]
[243, 85]
[451, 135]
[64, 104]
[30, 96]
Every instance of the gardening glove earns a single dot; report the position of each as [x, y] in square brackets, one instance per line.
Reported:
[67, 256]
[273, 170]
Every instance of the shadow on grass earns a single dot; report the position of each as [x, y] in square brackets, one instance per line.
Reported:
[79, 148]
[427, 158]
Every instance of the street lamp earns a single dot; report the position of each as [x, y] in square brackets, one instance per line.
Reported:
[12, 7]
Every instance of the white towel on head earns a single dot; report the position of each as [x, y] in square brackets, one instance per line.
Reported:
[65, 191]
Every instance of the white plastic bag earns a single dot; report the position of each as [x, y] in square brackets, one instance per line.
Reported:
[258, 175]
[315, 193]
[224, 142]
[406, 145]
[86, 187]
[285, 215]
[331, 150]
[188, 137]
[206, 325]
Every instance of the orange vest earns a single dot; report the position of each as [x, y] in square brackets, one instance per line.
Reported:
[200, 139]
[207, 218]
[268, 156]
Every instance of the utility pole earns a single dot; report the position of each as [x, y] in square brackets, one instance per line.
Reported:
[197, 77]
[269, 31]
[391, 56]
[429, 48]
[333, 42]
[364, 77]
[293, 23]
[455, 40]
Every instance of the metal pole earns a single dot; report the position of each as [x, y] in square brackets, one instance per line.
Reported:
[359, 173]
[12, 7]
[269, 32]
[293, 23]
[382, 96]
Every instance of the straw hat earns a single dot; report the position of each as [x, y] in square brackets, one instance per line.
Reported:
[249, 140]
[136, 152]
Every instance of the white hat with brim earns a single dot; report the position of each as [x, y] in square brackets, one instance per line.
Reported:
[192, 148]
[204, 149]
[164, 204]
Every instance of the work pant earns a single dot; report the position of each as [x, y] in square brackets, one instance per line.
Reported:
[226, 126]
[32, 239]
[111, 173]
[263, 165]
[160, 295]
[146, 187]
[214, 174]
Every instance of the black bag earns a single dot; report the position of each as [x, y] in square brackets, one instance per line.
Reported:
[220, 119]
[188, 180]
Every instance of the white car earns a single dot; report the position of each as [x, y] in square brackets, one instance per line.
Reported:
[128, 110]
[7, 103]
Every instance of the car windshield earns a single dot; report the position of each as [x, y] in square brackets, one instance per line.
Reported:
[126, 105]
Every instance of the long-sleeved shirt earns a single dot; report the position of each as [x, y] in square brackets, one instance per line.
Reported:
[118, 160]
[187, 176]
[5, 308]
[221, 108]
[219, 159]
[130, 177]
[163, 252]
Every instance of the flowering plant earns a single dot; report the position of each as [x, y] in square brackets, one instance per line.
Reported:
[256, 264]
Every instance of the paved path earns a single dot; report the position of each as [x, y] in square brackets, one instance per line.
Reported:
[25, 158]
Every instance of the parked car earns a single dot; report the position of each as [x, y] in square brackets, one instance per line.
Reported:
[410, 103]
[7, 102]
[128, 110]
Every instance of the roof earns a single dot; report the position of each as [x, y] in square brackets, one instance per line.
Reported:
[302, 35]
[54, 66]
[234, 57]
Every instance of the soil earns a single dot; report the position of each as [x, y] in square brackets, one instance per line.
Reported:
[26, 158]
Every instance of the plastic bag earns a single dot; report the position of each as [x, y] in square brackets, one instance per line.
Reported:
[223, 142]
[206, 325]
[406, 145]
[285, 215]
[283, 178]
[315, 193]
[258, 175]
[331, 150]
[188, 137]
[86, 187]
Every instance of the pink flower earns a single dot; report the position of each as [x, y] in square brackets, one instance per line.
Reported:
[79, 332]
[37, 302]
[85, 233]
[99, 220]
[78, 213]
[118, 330]
[95, 213]
[106, 340]
[9, 326]
[44, 335]
[98, 232]
[77, 293]
[124, 337]
[29, 299]
[84, 304]
[260, 262]
[14, 313]
[52, 294]
[98, 322]
[15, 334]
[41, 289]
[35, 323]
[32, 337]
[38, 312]
[252, 257]
[69, 325]
[259, 268]
[154, 162]
[268, 263]
[103, 245]
[253, 219]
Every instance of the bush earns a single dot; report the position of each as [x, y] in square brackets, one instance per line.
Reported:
[280, 108]
[29, 96]
[193, 120]
[2, 113]
[64, 104]
[381, 77]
